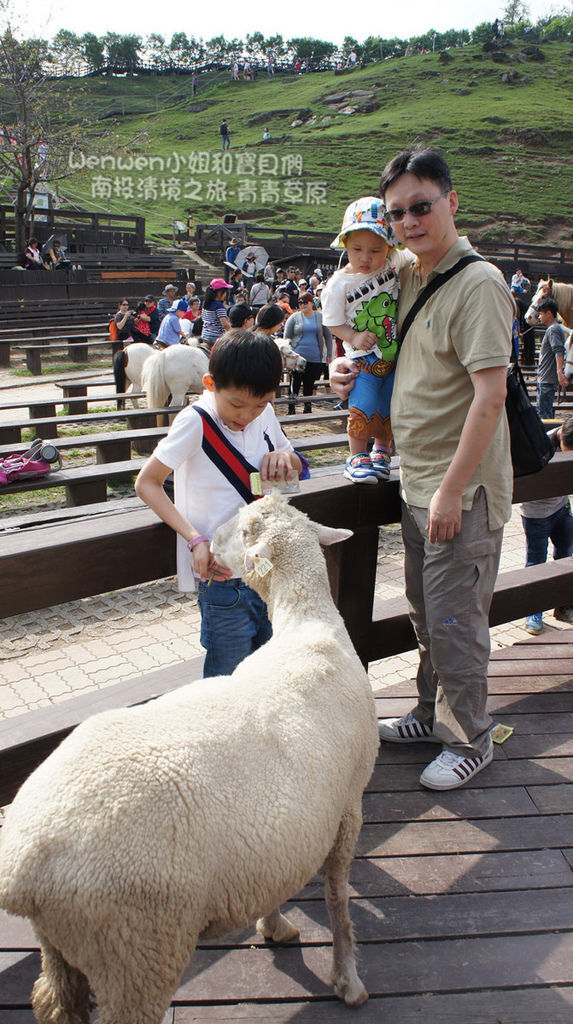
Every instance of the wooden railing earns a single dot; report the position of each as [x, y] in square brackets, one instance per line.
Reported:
[82, 227]
[42, 567]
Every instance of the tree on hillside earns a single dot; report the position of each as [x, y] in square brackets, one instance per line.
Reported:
[38, 128]
[92, 50]
[514, 11]
[25, 125]
[66, 49]
[351, 44]
[255, 45]
[276, 45]
[122, 51]
[316, 48]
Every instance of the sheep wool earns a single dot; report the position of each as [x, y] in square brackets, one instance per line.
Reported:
[203, 810]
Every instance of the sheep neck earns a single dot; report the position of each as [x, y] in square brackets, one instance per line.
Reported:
[299, 594]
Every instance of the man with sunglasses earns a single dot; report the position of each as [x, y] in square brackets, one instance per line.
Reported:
[456, 478]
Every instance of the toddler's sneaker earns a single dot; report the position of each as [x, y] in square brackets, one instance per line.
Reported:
[449, 770]
[380, 464]
[359, 469]
[534, 623]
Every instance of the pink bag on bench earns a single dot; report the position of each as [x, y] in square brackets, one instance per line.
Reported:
[40, 459]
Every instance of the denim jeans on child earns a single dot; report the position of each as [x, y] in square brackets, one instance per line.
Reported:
[545, 399]
[558, 528]
[234, 623]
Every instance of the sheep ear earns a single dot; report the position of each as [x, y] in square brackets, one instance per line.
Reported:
[258, 559]
[328, 535]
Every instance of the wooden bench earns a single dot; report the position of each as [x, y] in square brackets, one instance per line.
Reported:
[78, 334]
[84, 484]
[116, 446]
[48, 566]
[77, 349]
[47, 427]
[87, 484]
[46, 408]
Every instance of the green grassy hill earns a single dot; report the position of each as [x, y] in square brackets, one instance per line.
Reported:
[506, 129]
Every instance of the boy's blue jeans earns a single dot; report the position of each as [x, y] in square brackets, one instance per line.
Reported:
[234, 623]
[558, 528]
[545, 399]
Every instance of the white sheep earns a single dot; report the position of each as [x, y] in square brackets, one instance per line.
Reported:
[201, 811]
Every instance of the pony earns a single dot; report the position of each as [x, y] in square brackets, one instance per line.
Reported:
[128, 365]
[561, 293]
[174, 371]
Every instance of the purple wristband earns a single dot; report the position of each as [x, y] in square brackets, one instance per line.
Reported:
[197, 540]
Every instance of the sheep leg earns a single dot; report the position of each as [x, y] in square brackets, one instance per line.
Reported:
[61, 993]
[135, 985]
[344, 976]
[276, 927]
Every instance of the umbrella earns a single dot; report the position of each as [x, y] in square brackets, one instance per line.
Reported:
[63, 238]
[261, 259]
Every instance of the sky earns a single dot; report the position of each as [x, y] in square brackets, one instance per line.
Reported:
[234, 20]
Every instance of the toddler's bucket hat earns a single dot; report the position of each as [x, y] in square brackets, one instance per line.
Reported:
[368, 213]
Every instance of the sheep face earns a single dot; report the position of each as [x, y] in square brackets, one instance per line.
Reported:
[250, 543]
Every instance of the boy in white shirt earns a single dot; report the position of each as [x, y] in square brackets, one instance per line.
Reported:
[360, 306]
[213, 446]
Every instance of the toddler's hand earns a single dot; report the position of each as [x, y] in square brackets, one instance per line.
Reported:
[364, 340]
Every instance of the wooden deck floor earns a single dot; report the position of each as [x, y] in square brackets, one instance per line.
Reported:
[462, 901]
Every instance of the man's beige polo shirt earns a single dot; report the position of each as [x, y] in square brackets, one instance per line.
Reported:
[464, 327]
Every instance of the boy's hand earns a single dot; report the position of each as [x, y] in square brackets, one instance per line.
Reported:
[364, 340]
[277, 466]
[205, 565]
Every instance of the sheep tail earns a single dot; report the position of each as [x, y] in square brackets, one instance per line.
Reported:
[61, 994]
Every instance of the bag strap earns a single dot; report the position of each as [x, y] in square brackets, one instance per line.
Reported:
[228, 459]
[432, 287]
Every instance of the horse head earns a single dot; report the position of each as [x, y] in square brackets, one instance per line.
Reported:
[544, 290]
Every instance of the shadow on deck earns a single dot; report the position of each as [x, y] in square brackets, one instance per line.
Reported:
[462, 901]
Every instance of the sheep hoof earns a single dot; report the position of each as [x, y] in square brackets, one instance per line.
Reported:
[352, 993]
[283, 932]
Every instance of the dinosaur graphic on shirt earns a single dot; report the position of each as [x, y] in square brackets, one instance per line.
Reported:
[379, 316]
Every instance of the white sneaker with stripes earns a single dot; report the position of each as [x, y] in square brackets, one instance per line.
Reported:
[405, 730]
[449, 770]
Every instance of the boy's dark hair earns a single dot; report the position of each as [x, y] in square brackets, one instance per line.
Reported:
[548, 304]
[567, 434]
[239, 313]
[269, 316]
[424, 163]
[245, 359]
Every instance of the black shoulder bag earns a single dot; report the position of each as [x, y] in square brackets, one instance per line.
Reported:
[531, 448]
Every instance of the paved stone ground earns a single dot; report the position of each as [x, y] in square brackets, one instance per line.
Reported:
[56, 653]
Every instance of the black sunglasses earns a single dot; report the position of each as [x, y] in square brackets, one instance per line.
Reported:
[421, 209]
